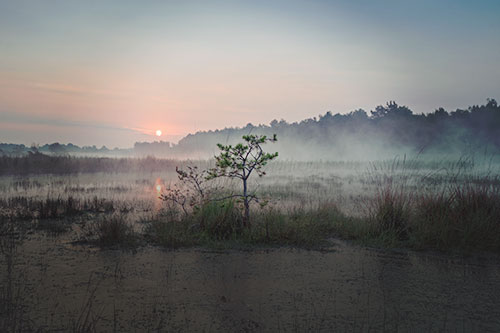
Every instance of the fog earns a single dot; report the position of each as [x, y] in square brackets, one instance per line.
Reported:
[383, 133]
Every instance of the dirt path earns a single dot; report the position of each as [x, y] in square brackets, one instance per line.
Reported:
[347, 289]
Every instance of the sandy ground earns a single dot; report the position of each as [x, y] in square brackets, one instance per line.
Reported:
[346, 289]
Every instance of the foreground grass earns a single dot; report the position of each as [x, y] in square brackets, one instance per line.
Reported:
[462, 217]
[219, 225]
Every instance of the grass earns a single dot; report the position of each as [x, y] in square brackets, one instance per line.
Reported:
[28, 208]
[218, 224]
[461, 214]
[403, 203]
[113, 230]
[456, 212]
[465, 216]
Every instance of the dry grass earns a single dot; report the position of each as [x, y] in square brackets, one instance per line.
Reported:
[464, 216]
[111, 230]
[402, 202]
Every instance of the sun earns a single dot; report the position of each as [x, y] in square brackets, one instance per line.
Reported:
[158, 132]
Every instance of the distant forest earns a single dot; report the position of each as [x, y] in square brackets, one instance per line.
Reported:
[387, 131]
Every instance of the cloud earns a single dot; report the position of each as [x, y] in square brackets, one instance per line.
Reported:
[72, 90]
[23, 118]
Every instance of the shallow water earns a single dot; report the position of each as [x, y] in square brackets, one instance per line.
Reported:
[287, 185]
[345, 289]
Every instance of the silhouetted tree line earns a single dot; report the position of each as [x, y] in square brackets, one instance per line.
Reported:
[55, 148]
[388, 130]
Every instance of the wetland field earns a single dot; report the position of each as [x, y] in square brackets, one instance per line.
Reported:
[249, 166]
[107, 244]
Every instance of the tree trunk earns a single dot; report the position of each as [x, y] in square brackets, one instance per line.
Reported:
[246, 217]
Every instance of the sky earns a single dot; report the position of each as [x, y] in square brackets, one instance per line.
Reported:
[113, 72]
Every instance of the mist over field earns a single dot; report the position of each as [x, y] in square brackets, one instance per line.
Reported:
[249, 166]
[388, 131]
[384, 133]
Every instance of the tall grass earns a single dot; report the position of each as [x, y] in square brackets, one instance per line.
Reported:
[112, 230]
[24, 207]
[464, 216]
[413, 203]
[462, 213]
[219, 224]
[389, 211]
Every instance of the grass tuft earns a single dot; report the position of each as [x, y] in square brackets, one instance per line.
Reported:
[464, 216]
[113, 230]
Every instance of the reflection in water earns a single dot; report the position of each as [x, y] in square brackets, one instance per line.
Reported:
[158, 189]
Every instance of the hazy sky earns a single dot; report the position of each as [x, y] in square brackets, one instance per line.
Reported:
[113, 72]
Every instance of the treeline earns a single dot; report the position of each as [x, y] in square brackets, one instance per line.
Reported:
[387, 131]
[382, 133]
[57, 148]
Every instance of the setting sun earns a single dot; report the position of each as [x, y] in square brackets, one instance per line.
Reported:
[158, 133]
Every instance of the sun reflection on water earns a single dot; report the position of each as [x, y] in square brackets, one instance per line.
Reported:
[158, 189]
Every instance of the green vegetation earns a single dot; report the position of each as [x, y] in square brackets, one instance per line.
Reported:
[466, 218]
[239, 162]
[219, 224]
[418, 204]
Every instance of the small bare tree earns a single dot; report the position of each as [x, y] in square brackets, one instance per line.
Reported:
[240, 161]
[190, 191]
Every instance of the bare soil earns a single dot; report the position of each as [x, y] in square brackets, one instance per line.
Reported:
[347, 288]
